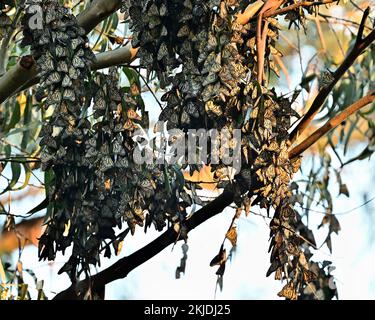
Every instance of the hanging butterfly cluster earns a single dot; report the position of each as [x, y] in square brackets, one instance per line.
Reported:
[96, 185]
[127, 190]
[205, 61]
[216, 88]
[63, 59]
[200, 37]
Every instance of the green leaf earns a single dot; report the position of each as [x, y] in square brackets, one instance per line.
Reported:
[39, 207]
[8, 150]
[179, 176]
[349, 134]
[32, 125]
[114, 21]
[15, 117]
[48, 178]
[26, 122]
[27, 176]
[16, 172]
[306, 81]
[132, 75]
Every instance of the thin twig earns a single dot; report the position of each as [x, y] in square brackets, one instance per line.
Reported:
[358, 49]
[331, 124]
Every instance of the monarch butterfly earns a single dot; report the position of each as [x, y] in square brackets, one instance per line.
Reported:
[53, 78]
[100, 104]
[122, 163]
[153, 10]
[184, 31]
[47, 62]
[211, 78]
[80, 53]
[60, 36]
[192, 109]
[212, 42]
[66, 82]
[163, 10]
[60, 52]
[309, 276]
[92, 142]
[185, 118]
[214, 108]
[49, 142]
[288, 292]
[133, 115]
[325, 79]
[162, 52]
[44, 39]
[56, 97]
[154, 21]
[76, 42]
[78, 62]
[188, 4]
[81, 31]
[106, 164]
[118, 148]
[62, 66]
[146, 184]
[73, 73]
[164, 31]
[129, 125]
[50, 16]
[69, 95]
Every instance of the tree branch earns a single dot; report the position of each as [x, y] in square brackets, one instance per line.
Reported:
[97, 11]
[359, 46]
[298, 5]
[103, 60]
[251, 10]
[124, 266]
[331, 124]
[18, 76]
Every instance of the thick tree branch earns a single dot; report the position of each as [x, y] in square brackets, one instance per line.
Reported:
[121, 268]
[18, 76]
[359, 46]
[331, 124]
[123, 55]
[97, 11]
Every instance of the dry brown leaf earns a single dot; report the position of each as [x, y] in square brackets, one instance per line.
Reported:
[232, 236]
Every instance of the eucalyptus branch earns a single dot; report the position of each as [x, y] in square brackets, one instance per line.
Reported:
[124, 266]
[97, 11]
[360, 45]
[331, 124]
[23, 71]
[294, 6]
[123, 55]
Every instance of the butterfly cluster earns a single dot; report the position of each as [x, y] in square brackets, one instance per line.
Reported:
[126, 190]
[204, 60]
[63, 59]
[216, 87]
[95, 185]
